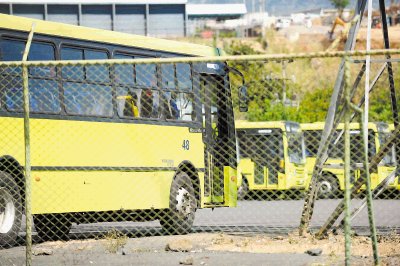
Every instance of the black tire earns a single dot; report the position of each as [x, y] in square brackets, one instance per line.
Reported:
[328, 187]
[179, 218]
[52, 227]
[243, 190]
[10, 210]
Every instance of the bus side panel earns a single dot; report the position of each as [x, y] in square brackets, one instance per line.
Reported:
[99, 166]
[230, 180]
[60, 192]
[12, 138]
[104, 144]
[246, 169]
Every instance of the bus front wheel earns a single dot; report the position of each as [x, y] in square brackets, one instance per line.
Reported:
[179, 218]
[328, 187]
[10, 210]
[52, 227]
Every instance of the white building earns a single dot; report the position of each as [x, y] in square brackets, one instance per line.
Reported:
[159, 18]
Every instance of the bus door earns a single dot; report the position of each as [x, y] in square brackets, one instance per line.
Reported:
[214, 154]
[267, 153]
[275, 156]
[357, 153]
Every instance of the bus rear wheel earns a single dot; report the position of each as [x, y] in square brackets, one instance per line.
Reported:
[52, 227]
[179, 218]
[10, 210]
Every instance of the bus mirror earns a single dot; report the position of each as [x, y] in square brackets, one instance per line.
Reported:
[243, 99]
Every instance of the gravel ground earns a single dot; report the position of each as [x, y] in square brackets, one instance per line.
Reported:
[204, 249]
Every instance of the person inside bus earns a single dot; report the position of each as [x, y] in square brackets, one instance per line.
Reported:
[174, 108]
[146, 103]
[170, 108]
[130, 108]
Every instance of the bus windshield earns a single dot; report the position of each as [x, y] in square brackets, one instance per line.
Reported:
[389, 158]
[296, 147]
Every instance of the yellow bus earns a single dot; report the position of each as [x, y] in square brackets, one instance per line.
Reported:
[109, 141]
[333, 169]
[272, 157]
[332, 179]
[396, 182]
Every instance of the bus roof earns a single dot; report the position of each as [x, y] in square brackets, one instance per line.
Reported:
[105, 36]
[242, 124]
[320, 126]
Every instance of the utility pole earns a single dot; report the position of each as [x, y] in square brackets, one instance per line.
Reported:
[284, 64]
[262, 8]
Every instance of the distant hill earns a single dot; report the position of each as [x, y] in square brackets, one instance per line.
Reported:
[281, 7]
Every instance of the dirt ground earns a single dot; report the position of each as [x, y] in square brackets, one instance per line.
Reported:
[207, 249]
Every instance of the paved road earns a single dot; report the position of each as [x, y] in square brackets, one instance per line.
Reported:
[261, 216]
[249, 218]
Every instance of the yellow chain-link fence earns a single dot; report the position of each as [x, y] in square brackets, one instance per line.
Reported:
[133, 148]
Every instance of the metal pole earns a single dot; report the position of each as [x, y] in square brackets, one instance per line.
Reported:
[364, 123]
[375, 193]
[284, 63]
[385, 148]
[308, 207]
[347, 164]
[28, 185]
[393, 97]
[369, 193]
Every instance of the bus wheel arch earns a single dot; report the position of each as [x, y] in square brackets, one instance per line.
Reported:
[10, 165]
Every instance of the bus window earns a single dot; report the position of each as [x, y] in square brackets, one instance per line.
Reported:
[43, 96]
[312, 139]
[72, 72]
[184, 76]
[88, 99]
[177, 105]
[183, 107]
[146, 75]
[296, 148]
[149, 103]
[356, 145]
[42, 52]
[168, 76]
[14, 96]
[390, 157]
[124, 73]
[127, 102]
[97, 72]
[265, 148]
[12, 50]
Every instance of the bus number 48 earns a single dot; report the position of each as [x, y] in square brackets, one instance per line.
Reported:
[185, 144]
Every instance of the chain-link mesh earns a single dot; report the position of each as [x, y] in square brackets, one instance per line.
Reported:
[135, 148]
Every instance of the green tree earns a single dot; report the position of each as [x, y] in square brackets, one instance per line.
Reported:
[340, 4]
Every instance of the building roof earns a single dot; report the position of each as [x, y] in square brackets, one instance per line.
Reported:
[91, 2]
[216, 10]
[98, 35]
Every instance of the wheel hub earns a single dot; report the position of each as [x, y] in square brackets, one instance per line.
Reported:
[325, 187]
[7, 211]
[184, 202]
